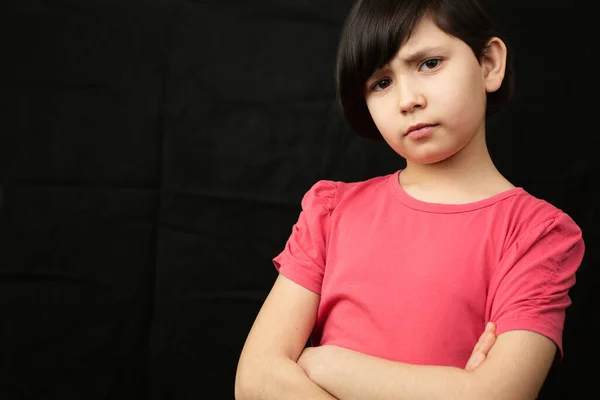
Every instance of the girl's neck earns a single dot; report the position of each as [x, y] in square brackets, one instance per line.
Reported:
[469, 175]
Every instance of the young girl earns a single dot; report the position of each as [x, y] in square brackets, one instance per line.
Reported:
[396, 277]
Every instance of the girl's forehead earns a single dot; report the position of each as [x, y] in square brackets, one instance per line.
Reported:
[425, 34]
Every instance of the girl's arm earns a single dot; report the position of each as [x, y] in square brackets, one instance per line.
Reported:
[268, 367]
[514, 369]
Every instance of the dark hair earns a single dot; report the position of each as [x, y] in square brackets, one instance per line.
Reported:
[373, 33]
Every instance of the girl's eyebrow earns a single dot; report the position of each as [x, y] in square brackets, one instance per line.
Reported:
[422, 53]
[417, 55]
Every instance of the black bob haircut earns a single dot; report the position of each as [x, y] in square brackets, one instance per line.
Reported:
[373, 32]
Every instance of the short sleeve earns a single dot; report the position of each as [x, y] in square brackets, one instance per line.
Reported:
[303, 258]
[530, 287]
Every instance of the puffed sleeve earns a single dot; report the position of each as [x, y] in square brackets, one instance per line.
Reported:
[303, 258]
[530, 287]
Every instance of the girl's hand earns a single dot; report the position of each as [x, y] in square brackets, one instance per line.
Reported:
[483, 347]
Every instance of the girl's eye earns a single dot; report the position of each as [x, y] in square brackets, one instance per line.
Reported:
[430, 64]
[382, 84]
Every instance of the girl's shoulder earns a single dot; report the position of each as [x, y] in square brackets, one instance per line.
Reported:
[325, 195]
[532, 209]
[530, 218]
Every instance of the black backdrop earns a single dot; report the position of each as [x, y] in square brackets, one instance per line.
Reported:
[153, 155]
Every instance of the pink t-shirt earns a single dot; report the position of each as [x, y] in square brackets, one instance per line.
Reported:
[415, 282]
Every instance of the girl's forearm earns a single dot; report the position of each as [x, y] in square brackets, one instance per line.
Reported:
[278, 379]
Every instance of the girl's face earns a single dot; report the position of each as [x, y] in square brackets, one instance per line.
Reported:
[434, 80]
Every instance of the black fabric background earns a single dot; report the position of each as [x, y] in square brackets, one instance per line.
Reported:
[153, 155]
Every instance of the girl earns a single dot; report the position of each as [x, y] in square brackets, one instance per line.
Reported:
[396, 276]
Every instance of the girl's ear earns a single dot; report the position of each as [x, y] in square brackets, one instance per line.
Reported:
[493, 64]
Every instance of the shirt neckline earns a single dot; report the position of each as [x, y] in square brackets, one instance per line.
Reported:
[412, 202]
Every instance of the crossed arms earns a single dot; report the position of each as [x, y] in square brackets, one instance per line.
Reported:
[274, 364]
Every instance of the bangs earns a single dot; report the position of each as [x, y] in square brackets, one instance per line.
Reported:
[374, 32]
